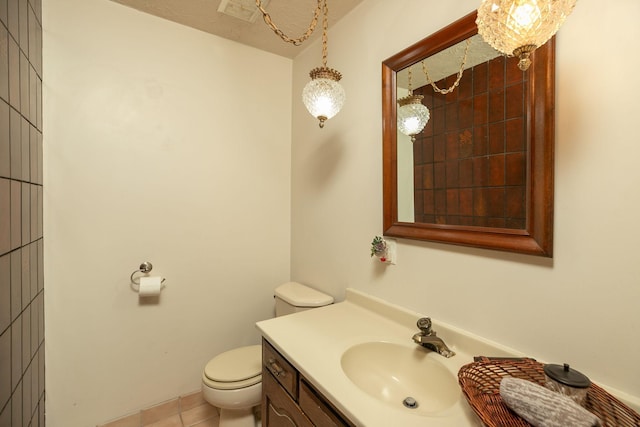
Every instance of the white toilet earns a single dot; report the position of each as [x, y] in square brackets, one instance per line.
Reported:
[232, 381]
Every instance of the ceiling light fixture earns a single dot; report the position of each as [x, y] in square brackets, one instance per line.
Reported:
[242, 9]
[323, 96]
[518, 27]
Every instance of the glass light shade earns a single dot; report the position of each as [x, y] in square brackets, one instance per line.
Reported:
[323, 96]
[518, 27]
[412, 115]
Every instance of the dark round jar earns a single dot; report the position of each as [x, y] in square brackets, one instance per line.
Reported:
[567, 381]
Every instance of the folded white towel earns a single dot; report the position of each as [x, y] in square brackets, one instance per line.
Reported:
[542, 407]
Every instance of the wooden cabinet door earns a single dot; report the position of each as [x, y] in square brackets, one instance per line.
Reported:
[317, 409]
[279, 409]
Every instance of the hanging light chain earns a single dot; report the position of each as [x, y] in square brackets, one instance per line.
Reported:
[298, 41]
[325, 72]
[456, 83]
[325, 26]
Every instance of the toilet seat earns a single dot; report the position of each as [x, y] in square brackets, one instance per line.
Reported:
[234, 369]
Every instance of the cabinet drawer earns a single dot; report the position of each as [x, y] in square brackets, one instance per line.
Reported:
[280, 368]
[318, 411]
[280, 410]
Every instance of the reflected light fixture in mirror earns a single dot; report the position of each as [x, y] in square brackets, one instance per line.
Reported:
[412, 114]
[323, 95]
[518, 27]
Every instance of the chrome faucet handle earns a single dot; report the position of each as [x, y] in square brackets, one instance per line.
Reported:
[424, 324]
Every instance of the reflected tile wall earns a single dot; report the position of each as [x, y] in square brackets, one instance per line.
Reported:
[21, 236]
[469, 161]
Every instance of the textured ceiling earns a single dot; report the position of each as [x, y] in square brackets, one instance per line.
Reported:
[448, 62]
[291, 16]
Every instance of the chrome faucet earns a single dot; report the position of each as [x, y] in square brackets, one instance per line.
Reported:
[428, 339]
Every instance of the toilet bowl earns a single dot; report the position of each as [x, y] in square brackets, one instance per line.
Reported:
[232, 381]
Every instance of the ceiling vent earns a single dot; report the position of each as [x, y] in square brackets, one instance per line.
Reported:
[242, 9]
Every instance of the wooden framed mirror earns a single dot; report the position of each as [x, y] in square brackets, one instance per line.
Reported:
[482, 168]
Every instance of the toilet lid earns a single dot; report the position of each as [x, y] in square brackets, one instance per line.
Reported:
[299, 295]
[235, 365]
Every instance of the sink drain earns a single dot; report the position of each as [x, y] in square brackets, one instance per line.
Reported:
[410, 403]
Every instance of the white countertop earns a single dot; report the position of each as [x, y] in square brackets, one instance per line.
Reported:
[314, 341]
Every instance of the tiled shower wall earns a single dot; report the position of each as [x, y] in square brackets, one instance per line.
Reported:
[21, 235]
[470, 159]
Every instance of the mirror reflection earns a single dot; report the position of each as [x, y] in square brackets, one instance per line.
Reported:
[479, 172]
[467, 166]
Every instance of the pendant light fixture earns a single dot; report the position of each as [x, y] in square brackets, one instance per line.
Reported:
[412, 114]
[518, 27]
[323, 95]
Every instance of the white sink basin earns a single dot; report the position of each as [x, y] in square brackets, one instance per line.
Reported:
[393, 372]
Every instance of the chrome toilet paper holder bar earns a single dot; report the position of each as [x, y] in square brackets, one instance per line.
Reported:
[145, 267]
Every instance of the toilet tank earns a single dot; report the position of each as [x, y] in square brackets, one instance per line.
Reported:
[293, 297]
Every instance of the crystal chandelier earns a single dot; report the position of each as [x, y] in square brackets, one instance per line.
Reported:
[518, 27]
[412, 114]
[323, 96]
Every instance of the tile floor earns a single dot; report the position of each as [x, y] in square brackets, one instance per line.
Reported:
[185, 411]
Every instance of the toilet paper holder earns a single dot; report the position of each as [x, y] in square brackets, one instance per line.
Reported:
[145, 267]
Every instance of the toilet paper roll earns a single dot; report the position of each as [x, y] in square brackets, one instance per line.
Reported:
[150, 286]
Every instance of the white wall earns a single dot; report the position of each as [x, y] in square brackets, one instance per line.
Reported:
[168, 145]
[582, 306]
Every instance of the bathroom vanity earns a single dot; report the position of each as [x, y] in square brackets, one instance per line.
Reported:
[354, 363]
[288, 399]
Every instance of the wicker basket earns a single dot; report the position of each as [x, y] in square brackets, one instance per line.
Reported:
[480, 382]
